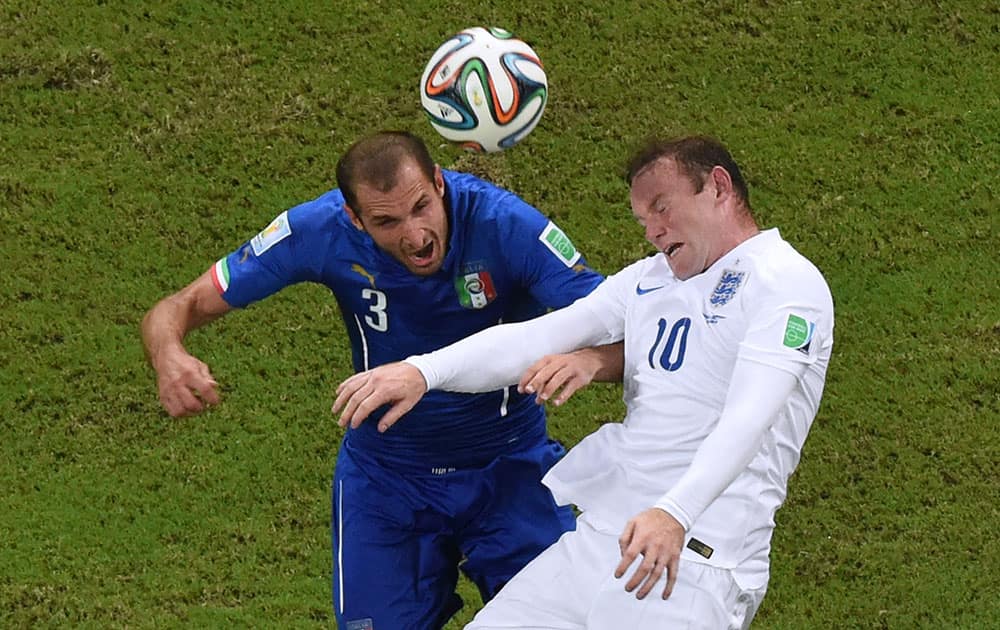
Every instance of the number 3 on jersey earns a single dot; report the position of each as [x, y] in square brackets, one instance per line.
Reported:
[672, 355]
[377, 319]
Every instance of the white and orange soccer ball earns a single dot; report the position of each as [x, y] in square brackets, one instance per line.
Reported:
[484, 89]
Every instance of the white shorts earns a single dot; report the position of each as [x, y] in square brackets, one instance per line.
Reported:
[571, 586]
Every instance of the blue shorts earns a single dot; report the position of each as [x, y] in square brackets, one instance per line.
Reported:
[399, 538]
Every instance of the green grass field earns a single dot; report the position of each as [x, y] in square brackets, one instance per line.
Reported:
[141, 141]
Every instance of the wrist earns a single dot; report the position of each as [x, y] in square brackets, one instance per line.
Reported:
[675, 511]
[423, 369]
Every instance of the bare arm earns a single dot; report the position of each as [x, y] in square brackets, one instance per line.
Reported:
[568, 373]
[184, 382]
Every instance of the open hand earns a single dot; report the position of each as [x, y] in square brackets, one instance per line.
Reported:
[397, 384]
[556, 377]
[658, 538]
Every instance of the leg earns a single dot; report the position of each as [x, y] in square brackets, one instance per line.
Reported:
[519, 521]
[554, 592]
[571, 586]
[394, 565]
[704, 598]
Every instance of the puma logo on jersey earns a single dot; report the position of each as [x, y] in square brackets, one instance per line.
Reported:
[356, 268]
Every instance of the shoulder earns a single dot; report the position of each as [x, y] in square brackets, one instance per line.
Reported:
[478, 200]
[309, 233]
[323, 212]
[322, 220]
[779, 269]
[484, 212]
[652, 271]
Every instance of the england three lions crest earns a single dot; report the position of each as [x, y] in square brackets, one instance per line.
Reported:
[729, 282]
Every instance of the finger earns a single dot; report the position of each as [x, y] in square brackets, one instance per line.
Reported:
[352, 406]
[640, 574]
[192, 404]
[172, 407]
[546, 381]
[655, 573]
[207, 392]
[572, 386]
[555, 379]
[205, 374]
[363, 403]
[530, 379]
[672, 565]
[182, 402]
[346, 390]
[372, 399]
[352, 382]
[394, 414]
[623, 546]
[528, 376]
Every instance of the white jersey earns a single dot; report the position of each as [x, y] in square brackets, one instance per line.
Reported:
[762, 302]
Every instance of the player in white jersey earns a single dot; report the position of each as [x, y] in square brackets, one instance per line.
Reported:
[728, 334]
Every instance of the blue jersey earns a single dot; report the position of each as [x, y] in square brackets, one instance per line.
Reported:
[505, 262]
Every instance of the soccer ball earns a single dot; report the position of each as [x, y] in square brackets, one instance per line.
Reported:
[484, 89]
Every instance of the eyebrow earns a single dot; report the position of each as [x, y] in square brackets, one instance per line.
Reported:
[658, 198]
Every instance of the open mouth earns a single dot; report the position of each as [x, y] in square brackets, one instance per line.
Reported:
[423, 255]
[669, 251]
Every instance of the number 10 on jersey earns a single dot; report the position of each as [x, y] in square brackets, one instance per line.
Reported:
[672, 352]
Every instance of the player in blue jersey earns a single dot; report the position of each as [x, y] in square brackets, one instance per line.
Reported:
[417, 258]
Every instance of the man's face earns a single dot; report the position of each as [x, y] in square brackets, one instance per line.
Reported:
[686, 226]
[409, 221]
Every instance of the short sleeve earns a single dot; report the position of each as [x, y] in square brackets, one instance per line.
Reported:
[542, 256]
[790, 322]
[285, 252]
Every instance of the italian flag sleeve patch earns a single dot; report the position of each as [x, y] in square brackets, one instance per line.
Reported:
[220, 275]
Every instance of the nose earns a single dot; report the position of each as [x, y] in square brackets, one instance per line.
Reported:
[653, 232]
[414, 234]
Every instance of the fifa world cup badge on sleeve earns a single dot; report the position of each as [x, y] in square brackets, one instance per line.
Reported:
[272, 234]
[798, 333]
[559, 244]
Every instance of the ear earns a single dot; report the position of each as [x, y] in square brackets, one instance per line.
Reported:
[353, 216]
[438, 181]
[723, 183]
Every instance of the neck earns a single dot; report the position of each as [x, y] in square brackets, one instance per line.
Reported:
[732, 238]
